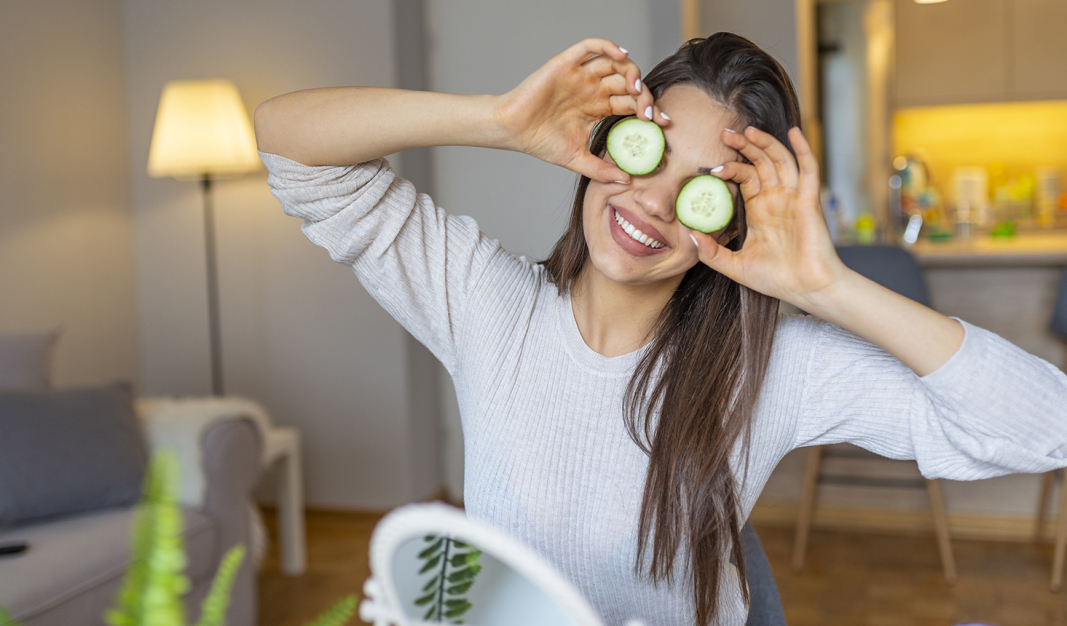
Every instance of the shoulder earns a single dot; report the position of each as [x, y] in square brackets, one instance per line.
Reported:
[509, 277]
[796, 333]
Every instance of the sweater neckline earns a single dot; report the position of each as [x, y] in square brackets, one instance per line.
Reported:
[586, 356]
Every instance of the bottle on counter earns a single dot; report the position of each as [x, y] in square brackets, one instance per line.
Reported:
[972, 195]
[1046, 194]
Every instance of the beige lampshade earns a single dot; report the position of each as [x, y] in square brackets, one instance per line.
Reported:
[201, 129]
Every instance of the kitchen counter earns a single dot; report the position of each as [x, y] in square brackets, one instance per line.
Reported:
[1026, 249]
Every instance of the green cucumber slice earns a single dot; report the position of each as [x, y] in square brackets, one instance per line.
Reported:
[636, 146]
[705, 204]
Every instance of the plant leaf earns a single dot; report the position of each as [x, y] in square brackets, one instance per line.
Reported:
[338, 614]
[426, 599]
[462, 576]
[6, 619]
[459, 610]
[152, 588]
[431, 550]
[458, 589]
[432, 563]
[213, 610]
[430, 585]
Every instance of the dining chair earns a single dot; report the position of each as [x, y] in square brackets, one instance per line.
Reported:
[765, 605]
[1058, 326]
[895, 269]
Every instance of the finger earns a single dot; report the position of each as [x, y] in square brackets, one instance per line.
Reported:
[604, 66]
[743, 174]
[646, 108]
[809, 165]
[764, 165]
[616, 85]
[622, 105]
[598, 169]
[784, 163]
[581, 51]
[716, 256]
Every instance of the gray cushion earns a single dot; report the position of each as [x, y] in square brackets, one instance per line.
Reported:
[77, 562]
[68, 451]
[26, 360]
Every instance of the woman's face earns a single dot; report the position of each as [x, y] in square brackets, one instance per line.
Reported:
[694, 147]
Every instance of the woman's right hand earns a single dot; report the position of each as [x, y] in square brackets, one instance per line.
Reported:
[551, 113]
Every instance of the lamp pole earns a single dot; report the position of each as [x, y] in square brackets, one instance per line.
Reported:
[212, 288]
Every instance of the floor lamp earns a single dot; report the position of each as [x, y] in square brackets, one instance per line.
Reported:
[203, 132]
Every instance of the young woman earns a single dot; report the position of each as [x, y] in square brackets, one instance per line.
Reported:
[624, 402]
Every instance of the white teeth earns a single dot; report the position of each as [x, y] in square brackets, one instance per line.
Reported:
[636, 234]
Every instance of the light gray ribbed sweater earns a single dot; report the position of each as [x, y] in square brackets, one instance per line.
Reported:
[548, 458]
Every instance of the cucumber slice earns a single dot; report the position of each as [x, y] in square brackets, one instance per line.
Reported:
[705, 204]
[636, 146]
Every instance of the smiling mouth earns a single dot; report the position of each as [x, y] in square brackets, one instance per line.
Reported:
[636, 234]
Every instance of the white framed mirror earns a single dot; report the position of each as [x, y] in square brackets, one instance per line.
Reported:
[430, 564]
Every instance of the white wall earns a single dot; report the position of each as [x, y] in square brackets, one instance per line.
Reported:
[299, 333]
[770, 24]
[484, 46]
[66, 230]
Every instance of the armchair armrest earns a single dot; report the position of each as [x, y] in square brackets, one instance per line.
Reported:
[232, 450]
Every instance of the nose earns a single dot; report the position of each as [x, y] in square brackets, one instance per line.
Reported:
[656, 194]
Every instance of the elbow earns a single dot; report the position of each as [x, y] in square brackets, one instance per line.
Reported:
[262, 126]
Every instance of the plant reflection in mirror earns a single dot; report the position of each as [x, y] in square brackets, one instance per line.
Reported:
[452, 567]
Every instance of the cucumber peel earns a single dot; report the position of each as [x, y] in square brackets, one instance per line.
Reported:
[705, 204]
[636, 146]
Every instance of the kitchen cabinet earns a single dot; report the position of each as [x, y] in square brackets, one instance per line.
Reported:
[1039, 62]
[951, 52]
[967, 51]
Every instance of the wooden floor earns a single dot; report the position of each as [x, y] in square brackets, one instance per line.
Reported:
[851, 579]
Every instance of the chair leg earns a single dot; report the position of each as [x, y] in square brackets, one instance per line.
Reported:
[1042, 504]
[807, 506]
[937, 507]
[1061, 540]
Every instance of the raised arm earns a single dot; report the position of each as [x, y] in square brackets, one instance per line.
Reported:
[549, 115]
[348, 125]
[788, 254]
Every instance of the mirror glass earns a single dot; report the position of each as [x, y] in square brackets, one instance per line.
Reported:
[441, 580]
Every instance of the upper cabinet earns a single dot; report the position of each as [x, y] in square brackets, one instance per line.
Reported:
[1039, 62]
[964, 51]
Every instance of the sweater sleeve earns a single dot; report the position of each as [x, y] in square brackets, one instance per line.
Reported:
[415, 259]
[991, 409]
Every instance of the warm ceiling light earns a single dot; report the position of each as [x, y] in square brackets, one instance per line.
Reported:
[929, 1]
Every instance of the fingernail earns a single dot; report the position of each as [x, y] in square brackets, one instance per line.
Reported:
[620, 182]
[717, 169]
[664, 116]
[694, 240]
[637, 84]
[624, 50]
[730, 130]
[648, 112]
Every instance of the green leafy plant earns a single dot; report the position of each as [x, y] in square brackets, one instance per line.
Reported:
[154, 584]
[452, 567]
[5, 619]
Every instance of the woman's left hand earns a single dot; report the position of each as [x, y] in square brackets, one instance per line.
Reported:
[788, 253]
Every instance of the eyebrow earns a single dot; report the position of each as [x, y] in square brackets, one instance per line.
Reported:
[701, 170]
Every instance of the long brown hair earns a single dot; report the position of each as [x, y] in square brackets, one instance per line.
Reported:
[693, 393]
